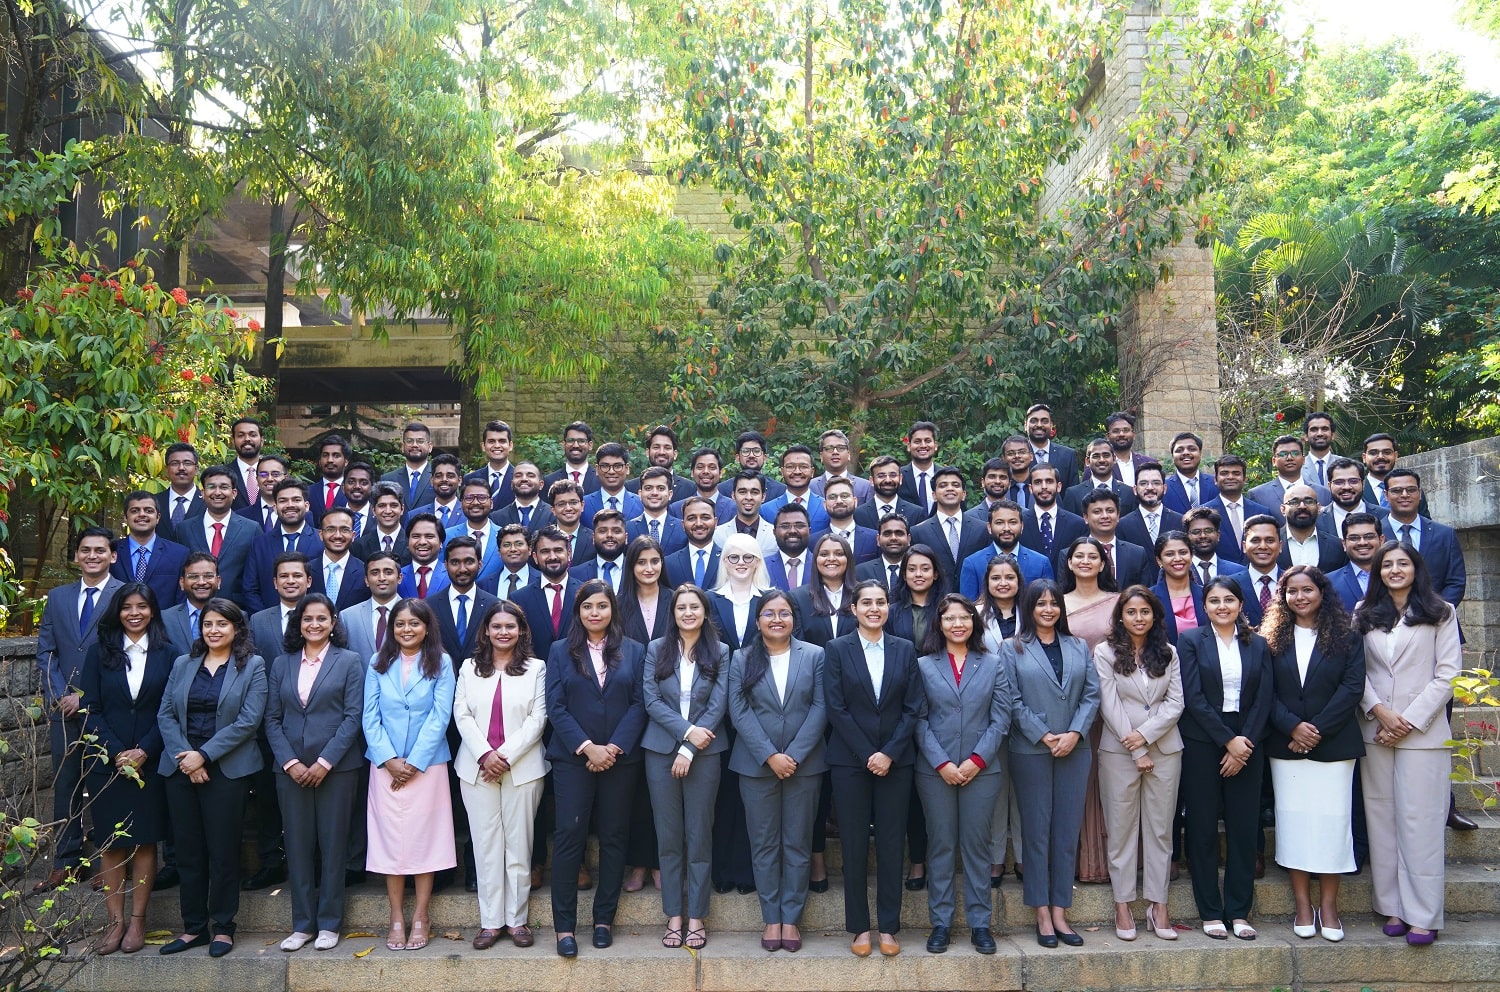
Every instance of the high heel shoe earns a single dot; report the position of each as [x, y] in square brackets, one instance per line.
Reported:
[1124, 933]
[1163, 933]
[1306, 931]
[1333, 934]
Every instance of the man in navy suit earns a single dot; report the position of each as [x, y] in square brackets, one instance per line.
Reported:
[245, 436]
[566, 502]
[613, 465]
[1188, 486]
[1346, 484]
[610, 542]
[1262, 569]
[1362, 538]
[1005, 539]
[790, 565]
[750, 450]
[1040, 431]
[894, 536]
[386, 531]
[886, 480]
[445, 478]
[1287, 456]
[294, 533]
[1100, 459]
[1016, 451]
[548, 605]
[497, 469]
[474, 496]
[1436, 543]
[327, 491]
[261, 510]
[424, 574]
[995, 481]
[1380, 456]
[515, 556]
[1101, 512]
[948, 526]
[1047, 526]
[1234, 507]
[181, 499]
[797, 473]
[459, 607]
[838, 501]
[145, 556]
[916, 476]
[70, 626]
[529, 506]
[1202, 525]
[414, 476]
[706, 468]
[200, 583]
[1318, 436]
[1149, 520]
[1119, 428]
[1302, 543]
[661, 451]
[221, 532]
[654, 521]
[336, 573]
[697, 561]
[577, 443]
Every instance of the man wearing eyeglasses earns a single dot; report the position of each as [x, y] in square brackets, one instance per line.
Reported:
[1436, 543]
[1287, 456]
[338, 574]
[751, 451]
[268, 472]
[836, 455]
[1302, 543]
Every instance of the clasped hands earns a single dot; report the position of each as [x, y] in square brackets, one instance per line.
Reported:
[1393, 726]
[492, 766]
[193, 765]
[1061, 745]
[401, 772]
[1236, 754]
[308, 776]
[961, 774]
[601, 757]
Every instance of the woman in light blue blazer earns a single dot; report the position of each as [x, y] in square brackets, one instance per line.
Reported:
[409, 691]
[210, 711]
[1057, 699]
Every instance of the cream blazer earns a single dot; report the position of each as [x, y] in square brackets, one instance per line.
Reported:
[1126, 703]
[1411, 670]
[523, 703]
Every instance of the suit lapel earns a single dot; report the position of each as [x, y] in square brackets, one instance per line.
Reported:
[1039, 658]
[330, 658]
[228, 698]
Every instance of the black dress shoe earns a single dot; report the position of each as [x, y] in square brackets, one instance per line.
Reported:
[995, 881]
[1457, 821]
[603, 937]
[818, 885]
[166, 878]
[218, 948]
[471, 883]
[983, 940]
[354, 876]
[723, 888]
[178, 945]
[1069, 938]
[937, 941]
[567, 947]
[744, 890]
[1260, 866]
[1046, 939]
[916, 884]
[272, 873]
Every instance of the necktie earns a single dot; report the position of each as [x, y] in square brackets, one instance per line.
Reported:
[179, 511]
[1235, 523]
[609, 573]
[357, 518]
[1321, 480]
[479, 539]
[422, 581]
[333, 489]
[1405, 538]
[462, 622]
[953, 537]
[291, 541]
[443, 513]
[1265, 592]
[922, 489]
[87, 613]
[576, 477]
[1040, 456]
[267, 518]
[700, 569]
[525, 516]
[557, 598]
[886, 511]
[792, 567]
[331, 580]
[411, 492]
[387, 541]
[511, 592]
[1207, 575]
[193, 622]
[251, 485]
[1192, 491]
[895, 572]
[380, 628]
[798, 501]
[570, 547]
[494, 483]
[1109, 559]
[1047, 531]
[141, 555]
[1153, 521]
[1023, 495]
[1383, 501]
[1364, 579]
[218, 542]
[614, 503]
[655, 530]
[496, 736]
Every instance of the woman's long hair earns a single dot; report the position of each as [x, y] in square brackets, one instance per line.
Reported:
[989, 610]
[757, 658]
[578, 639]
[112, 631]
[293, 641]
[1423, 604]
[1026, 610]
[431, 659]
[633, 554]
[484, 651]
[1106, 574]
[1331, 622]
[241, 647]
[1156, 653]
[1224, 582]
[821, 606]
[707, 654]
[936, 643]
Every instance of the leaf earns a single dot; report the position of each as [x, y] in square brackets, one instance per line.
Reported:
[365, 952]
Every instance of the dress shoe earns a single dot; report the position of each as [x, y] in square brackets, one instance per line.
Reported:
[818, 885]
[1391, 930]
[1260, 866]
[327, 940]
[983, 940]
[1306, 931]
[861, 946]
[793, 944]
[1070, 938]
[603, 937]
[55, 878]
[585, 880]
[567, 947]
[889, 946]
[770, 943]
[937, 941]
[522, 936]
[178, 945]
[296, 941]
[166, 878]
[116, 935]
[1046, 939]
[471, 883]
[220, 946]
[273, 873]
[723, 888]
[1334, 934]
[744, 890]
[1421, 939]
[354, 876]
[995, 880]
[916, 884]
[485, 939]
[1163, 933]
[1457, 821]
[1020, 872]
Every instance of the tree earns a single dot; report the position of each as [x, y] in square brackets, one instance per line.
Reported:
[884, 165]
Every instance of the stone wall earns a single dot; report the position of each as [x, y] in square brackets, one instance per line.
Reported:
[21, 726]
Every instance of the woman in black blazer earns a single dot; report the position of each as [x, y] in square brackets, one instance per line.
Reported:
[597, 716]
[870, 756]
[645, 614]
[124, 676]
[1226, 688]
[1319, 674]
[825, 606]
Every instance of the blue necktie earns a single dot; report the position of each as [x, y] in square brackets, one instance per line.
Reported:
[193, 622]
[463, 617]
[357, 518]
[443, 510]
[1406, 535]
[179, 511]
[87, 613]
[609, 573]
[141, 556]
[614, 503]
[1047, 532]
[525, 516]
[269, 521]
[291, 541]
[655, 530]
[700, 569]
[411, 494]
[1364, 579]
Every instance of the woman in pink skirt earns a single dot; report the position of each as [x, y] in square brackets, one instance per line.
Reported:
[408, 700]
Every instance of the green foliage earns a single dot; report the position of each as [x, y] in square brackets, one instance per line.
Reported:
[1478, 687]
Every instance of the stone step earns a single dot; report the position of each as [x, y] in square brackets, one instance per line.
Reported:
[1462, 958]
[1471, 889]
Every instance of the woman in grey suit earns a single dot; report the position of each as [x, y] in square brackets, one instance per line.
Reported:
[1056, 700]
[209, 714]
[1412, 655]
[685, 690]
[314, 708]
[961, 727]
[776, 703]
[1140, 755]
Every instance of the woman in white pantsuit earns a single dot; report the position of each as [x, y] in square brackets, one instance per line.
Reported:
[1412, 654]
[500, 709]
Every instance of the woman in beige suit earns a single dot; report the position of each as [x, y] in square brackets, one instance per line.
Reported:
[1140, 755]
[1412, 654]
[500, 708]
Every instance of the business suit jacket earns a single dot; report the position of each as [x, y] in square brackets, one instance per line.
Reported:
[1230, 548]
[1444, 558]
[1373, 494]
[255, 513]
[499, 584]
[723, 506]
[1413, 676]
[580, 710]
[1042, 705]
[812, 501]
[535, 601]
[1066, 527]
[242, 703]
[1327, 526]
[1072, 499]
[861, 724]
[166, 500]
[1175, 497]
[680, 566]
[724, 616]
[372, 541]
[867, 514]
[590, 480]
[819, 630]
[179, 634]
[972, 537]
[1249, 584]
[317, 495]
[259, 585]
[1346, 584]
[1331, 556]
[1152, 706]
[1328, 700]
[541, 516]
[119, 722]
[708, 705]
[1132, 527]
[442, 606]
[523, 718]
[960, 720]
[501, 495]
[489, 563]
[1034, 565]
[908, 491]
[672, 537]
[1270, 494]
[1203, 688]
[776, 570]
[1065, 460]
[352, 588]
[266, 631]
[234, 551]
[1170, 619]
[862, 488]
[163, 568]
[401, 476]
[865, 545]
[765, 535]
[359, 627]
[1136, 459]
[765, 725]
[329, 724]
[635, 624]
[455, 515]
[1129, 560]
[630, 505]
[242, 496]
[436, 582]
[878, 571]
[409, 722]
[60, 646]
[681, 488]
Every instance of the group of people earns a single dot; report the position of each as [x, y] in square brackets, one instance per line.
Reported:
[1088, 666]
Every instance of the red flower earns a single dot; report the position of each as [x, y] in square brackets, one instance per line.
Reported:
[131, 263]
[15, 333]
[180, 295]
[1280, 415]
[206, 379]
[146, 444]
[254, 324]
[119, 296]
[24, 294]
[231, 313]
[187, 375]
[85, 278]
[182, 434]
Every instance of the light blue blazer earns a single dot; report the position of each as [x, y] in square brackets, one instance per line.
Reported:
[410, 722]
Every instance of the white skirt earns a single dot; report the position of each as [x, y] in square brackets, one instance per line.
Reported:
[1314, 800]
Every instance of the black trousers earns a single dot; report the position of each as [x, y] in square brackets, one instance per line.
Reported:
[1204, 791]
[862, 799]
[266, 808]
[731, 865]
[67, 787]
[640, 847]
[578, 793]
[208, 820]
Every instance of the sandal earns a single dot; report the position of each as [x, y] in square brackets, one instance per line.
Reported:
[697, 939]
[396, 939]
[1216, 930]
[672, 938]
[418, 938]
[1243, 930]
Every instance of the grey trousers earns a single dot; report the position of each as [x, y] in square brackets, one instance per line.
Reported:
[683, 809]
[959, 819]
[779, 814]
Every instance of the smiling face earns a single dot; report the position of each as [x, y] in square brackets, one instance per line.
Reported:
[551, 557]
[135, 615]
[648, 567]
[1017, 455]
[1102, 516]
[463, 566]
[142, 516]
[514, 550]
[337, 533]
[1222, 606]
[497, 447]
[948, 493]
[526, 482]
[689, 612]
[332, 461]
[1005, 528]
[1187, 455]
[1003, 584]
[1361, 541]
[382, 577]
[921, 445]
[609, 538]
[838, 500]
[957, 625]
[182, 467]
[1175, 559]
[774, 620]
[1039, 427]
[357, 486]
[1303, 598]
[247, 441]
[216, 629]
[1137, 616]
[292, 581]
[792, 533]
[417, 445]
[1397, 570]
[741, 565]
[1085, 561]
[894, 537]
[200, 581]
[218, 495]
[699, 521]
[93, 558]
[1347, 486]
[661, 451]
[1230, 479]
[1149, 488]
[655, 495]
[317, 625]
[1262, 546]
[835, 454]
[996, 483]
[388, 511]
[423, 542]
[919, 573]
[568, 509]
[409, 631]
[594, 612]
[796, 471]
[1203, 537]
[886, 481]
[612, 470]
[445, 481]
[748, 495]
[1046, 612]
[831, 562]
[706, 473]
[576, 448]
[1101, 459]
[503, 631]
[870, 609]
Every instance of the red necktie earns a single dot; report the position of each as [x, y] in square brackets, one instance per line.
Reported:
[333, 487]
[497, 721]
[575, 476]
[422, 581]
[218, 544]
[556, 608]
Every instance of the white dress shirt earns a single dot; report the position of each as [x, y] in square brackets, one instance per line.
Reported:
[1232, 672]
[135, 663]
[1303, 552]
[781, 665]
